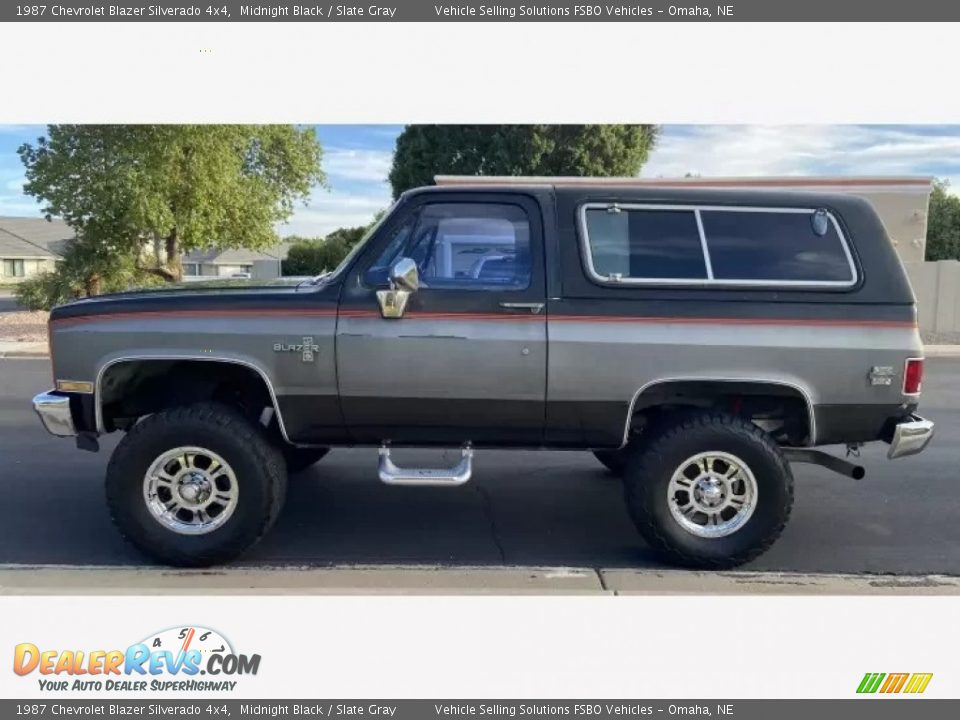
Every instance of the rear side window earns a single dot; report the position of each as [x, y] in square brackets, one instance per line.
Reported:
[651, 244]
[660, 244]
[775, 246]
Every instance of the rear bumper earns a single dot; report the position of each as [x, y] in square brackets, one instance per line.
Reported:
[55, 414]
[910, 437]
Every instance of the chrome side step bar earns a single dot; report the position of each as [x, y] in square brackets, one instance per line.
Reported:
[460, 473]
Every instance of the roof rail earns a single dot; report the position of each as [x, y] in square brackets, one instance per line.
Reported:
[843, 183]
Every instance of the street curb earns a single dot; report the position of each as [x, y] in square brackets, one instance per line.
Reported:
[945, 351]
[454, 580]
[26, 354]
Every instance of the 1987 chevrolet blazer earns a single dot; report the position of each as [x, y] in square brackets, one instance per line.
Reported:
[696, 341]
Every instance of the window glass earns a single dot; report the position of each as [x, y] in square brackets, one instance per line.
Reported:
[378, 273]
[774, 246]
[654, 244]
[463, 246]
[13, 268]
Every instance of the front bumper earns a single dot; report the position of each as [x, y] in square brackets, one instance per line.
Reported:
[910, 437]
[55, 414]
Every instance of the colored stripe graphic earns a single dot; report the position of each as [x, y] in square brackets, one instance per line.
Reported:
[870, 682]
[918, 682]
[893, 683]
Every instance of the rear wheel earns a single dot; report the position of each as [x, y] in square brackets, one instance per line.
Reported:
[614, 460]
[195, 486]
[709, 490]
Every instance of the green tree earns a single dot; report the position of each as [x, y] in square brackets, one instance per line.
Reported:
[312, 256]
[87, 268]
[424, 151]
[154, 192]
[943, 223]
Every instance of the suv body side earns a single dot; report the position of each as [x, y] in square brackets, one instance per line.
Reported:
[477, 365]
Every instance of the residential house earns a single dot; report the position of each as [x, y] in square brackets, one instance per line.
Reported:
[29, 246]
[201, 264]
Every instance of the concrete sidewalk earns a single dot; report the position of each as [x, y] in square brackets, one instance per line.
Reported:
[426, 580]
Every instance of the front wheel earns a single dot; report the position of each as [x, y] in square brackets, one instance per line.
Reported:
[709, 490]
[195, 486]
[300, 458]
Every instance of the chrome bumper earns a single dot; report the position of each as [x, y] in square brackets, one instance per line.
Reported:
[54, 412]
[910, 437]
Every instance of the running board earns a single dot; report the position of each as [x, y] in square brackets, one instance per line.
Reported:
[460, 473]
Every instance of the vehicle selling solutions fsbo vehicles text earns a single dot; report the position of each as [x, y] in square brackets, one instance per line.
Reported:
[582, 11]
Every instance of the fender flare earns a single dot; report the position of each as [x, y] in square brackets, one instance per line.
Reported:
[104, 366]
[804, 392]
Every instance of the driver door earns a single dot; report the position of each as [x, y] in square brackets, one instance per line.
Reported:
[467, 361]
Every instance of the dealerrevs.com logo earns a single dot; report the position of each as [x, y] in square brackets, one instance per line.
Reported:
[177, 659]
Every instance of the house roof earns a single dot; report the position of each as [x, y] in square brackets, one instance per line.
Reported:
[237, 256]
[33, 238]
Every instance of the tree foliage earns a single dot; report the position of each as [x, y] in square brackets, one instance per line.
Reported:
[87, 268]
[312, 256]
[424, 151]
[153, 192]
[943, 223]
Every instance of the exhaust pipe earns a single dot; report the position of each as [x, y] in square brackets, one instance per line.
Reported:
[818, 457]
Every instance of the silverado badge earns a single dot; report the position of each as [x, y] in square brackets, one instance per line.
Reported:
[307, 348]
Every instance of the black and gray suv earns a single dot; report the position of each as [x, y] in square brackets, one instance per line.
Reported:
[696, 341]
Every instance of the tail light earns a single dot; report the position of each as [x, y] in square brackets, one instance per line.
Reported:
[913, 376]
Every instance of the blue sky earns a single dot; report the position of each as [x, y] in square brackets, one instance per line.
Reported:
[357, 160]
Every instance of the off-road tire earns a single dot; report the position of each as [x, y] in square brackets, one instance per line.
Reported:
[614, 460]
[299, 459]
[647, 478]
[258, 465]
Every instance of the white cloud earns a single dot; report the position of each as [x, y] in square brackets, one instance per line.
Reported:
[327, 211]
[18, 206]
[362, 165]
[717, 150]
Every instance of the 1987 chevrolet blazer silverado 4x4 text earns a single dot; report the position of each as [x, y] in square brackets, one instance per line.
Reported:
[696, 341]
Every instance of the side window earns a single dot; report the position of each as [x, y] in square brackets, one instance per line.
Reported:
[650, 244]
[464, 246]
[378, 273]
[775, 247]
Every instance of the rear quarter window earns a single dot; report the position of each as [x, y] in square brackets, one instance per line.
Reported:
[709, 245]
[775, 247]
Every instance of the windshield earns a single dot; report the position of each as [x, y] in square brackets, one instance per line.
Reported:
[355, 250]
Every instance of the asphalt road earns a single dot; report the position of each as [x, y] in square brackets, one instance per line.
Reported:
[522, 508]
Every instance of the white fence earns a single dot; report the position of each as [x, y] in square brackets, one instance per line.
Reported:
[937, 287]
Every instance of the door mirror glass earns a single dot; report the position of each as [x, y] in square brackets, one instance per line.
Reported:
[404, 275]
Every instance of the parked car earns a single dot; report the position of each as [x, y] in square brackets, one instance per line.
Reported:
[698, 342]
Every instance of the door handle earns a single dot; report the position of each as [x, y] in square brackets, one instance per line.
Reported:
[535, 308]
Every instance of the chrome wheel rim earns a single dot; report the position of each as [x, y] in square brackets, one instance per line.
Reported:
[712, 494]
[190, 490]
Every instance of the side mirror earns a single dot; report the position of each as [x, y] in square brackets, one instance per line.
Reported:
[404, 281]
[404, 275]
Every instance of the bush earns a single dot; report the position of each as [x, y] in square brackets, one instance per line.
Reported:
[312, 256]
[43, 291]
[67, 283]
